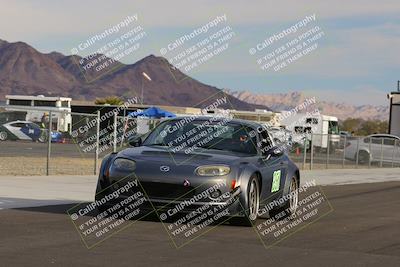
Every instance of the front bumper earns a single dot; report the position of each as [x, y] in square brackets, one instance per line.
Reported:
[178, 205]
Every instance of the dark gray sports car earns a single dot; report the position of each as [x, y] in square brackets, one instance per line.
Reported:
[188, 162]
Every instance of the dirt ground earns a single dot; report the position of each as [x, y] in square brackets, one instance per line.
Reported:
[37, 166]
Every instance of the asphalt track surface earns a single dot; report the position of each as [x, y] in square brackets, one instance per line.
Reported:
[363, 230]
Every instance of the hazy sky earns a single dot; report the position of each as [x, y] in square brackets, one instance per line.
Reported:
[357, 59]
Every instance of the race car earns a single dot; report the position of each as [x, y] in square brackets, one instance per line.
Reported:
[190, 162]
[26, 130]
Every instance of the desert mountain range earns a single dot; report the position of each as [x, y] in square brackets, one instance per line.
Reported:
[287, 101]
[26, 71]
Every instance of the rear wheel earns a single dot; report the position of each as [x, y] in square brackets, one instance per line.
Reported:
[253, 204]
[293, 196]
[363, 157]
[3, 136]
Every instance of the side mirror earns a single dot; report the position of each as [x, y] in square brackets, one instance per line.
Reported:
[277, 152]
[135, 141]
[273, 153]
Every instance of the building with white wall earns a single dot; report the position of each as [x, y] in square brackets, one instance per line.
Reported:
[394, 115]
[38, 107]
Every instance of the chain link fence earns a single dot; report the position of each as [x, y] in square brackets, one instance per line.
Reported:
[324, 151]
[39, 147]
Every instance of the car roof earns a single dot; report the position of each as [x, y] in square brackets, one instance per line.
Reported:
[19, 122]
[251, 124]
[384, 135]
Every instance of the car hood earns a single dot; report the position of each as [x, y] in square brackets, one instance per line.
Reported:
[162, 155]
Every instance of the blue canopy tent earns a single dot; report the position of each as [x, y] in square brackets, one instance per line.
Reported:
[153, 112]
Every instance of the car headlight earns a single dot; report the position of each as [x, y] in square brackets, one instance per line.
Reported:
[212, 170]
[124, 164]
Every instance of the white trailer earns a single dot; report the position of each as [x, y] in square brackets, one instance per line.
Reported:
[323, 129]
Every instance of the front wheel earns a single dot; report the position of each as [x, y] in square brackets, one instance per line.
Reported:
[290, 207]
[253, 204]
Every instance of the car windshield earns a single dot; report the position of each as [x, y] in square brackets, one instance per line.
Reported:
[183, 135]
[333, 127]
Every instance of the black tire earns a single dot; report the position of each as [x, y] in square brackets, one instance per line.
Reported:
[252, 205]
[290, 207]
[3, 136]
[363, 157]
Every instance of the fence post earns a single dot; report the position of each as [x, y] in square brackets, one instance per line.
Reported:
[370, 153]
[96, 155]
[358, 151]
[49, 144]
[305, 152]
[327, 151]
[312, 151]
[394, 149]
[115, 133]
[344, 151]
[380, 164]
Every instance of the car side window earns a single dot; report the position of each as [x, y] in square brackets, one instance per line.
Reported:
[376, 140]
[265, 139]
[18, 125]
[389, 141]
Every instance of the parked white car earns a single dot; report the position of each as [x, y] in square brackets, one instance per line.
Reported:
[374, 148]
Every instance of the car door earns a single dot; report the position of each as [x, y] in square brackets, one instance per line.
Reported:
[375, 147]
[396, 156]
[382, 147]
[390, 147]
